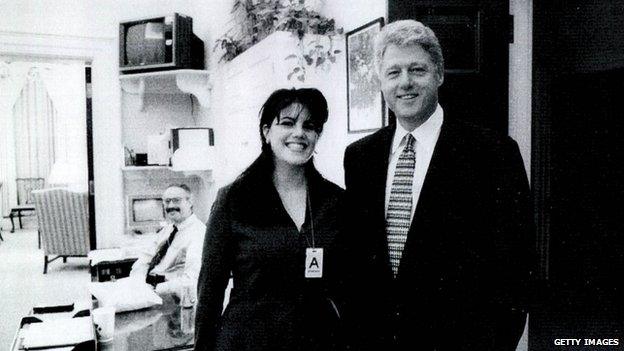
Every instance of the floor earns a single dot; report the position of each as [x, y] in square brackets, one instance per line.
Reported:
[23, 284]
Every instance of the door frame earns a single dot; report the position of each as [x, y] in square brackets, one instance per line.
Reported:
[54, 47]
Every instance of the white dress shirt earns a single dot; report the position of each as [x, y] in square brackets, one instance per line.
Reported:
[426, 136]
[182, 262]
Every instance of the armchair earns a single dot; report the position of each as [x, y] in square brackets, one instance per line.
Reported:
[63, 218]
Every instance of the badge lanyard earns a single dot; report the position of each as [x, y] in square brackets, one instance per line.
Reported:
[314, 255]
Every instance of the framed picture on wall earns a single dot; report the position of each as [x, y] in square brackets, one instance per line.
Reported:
[365, 105]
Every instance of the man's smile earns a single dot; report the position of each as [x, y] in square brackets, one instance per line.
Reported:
[407, 96]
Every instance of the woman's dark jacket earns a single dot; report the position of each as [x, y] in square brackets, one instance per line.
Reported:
[272, 305]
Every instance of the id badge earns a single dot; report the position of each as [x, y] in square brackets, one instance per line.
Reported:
[314, 263]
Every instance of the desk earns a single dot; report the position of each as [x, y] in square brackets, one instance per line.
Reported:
[80, 311]
[157, 328]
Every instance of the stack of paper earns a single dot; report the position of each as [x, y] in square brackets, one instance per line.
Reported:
[57, 332]
[97, 256]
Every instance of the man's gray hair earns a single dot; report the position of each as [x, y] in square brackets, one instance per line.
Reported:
[181, 186]
[406, 33]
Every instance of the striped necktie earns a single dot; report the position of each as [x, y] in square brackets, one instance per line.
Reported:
[162, 250]
[398, 217]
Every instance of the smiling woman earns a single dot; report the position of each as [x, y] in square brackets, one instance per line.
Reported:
[276, 227]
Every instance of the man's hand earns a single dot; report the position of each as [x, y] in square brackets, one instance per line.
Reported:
[160, 289]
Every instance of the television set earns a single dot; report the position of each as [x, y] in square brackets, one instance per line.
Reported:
[159, 43]
[145, 212]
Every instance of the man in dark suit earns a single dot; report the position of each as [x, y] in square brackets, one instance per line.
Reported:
[442, 251]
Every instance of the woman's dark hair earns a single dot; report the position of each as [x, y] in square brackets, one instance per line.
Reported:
[310, 98]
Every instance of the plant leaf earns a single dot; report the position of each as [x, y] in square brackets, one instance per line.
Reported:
[319, 61]
[291, 56]
[337, 51]
[297, 69]
[301, 78]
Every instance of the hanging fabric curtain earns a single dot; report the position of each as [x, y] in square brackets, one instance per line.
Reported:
[12, 80]
[34, 115]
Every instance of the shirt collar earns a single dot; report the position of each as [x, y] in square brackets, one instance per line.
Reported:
[186, 223]
[425, 135]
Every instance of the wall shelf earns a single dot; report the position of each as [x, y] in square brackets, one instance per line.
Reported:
[144, 168]
[152, 103]
[139, 171]
[186, 81]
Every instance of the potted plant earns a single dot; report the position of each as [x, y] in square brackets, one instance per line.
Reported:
[256, 19]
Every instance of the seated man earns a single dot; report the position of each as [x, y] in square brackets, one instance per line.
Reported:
[174, 257]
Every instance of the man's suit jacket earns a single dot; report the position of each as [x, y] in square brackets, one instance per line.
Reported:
[465, 267]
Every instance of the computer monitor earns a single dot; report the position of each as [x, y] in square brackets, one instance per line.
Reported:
[145, 212]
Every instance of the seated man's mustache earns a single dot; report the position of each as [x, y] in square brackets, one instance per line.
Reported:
[171, 209]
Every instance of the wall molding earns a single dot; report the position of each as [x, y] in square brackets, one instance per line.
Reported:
[53, 46]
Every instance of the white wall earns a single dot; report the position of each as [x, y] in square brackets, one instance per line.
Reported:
[520, 81]
[82, 18]
[351, 14]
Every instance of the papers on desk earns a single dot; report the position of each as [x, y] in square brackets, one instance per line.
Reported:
[97, 256]
[57, 333]
[126, 294]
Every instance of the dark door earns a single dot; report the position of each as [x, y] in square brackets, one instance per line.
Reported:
[89, 115]
[578, 158]
[475, 39]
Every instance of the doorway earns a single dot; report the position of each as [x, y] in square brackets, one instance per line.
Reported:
[45, 127]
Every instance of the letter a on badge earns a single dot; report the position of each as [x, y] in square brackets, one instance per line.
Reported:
[314, 263]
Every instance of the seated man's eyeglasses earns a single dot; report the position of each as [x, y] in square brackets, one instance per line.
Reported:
[174, 200]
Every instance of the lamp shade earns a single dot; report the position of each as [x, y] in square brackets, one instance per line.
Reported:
[65, 174]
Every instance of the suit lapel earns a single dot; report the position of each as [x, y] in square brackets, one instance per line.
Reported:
[379, 160]
[440, 163]
[378, 155]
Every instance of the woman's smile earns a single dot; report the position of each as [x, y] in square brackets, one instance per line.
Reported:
[292, 136]
[296, 146]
